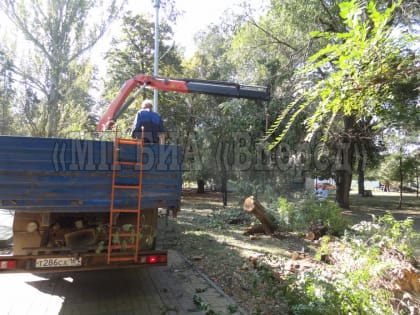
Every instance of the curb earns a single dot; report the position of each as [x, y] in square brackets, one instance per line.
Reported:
[219, 290]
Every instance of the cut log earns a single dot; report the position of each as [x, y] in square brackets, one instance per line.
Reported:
[254, 207]
[316, 232]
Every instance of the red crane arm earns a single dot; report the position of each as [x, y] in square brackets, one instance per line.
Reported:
[121, 102]
[221, 88]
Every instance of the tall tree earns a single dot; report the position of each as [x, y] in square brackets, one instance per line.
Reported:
[274, 45]
[59, 33]
[6, 93]
[269, 49]
[131, 53]
[354, 76]
[368, 148]
[207, 124]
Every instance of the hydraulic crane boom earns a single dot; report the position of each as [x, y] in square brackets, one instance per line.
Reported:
[221, 88]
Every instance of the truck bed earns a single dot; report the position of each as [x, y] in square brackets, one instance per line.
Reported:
[72, 175]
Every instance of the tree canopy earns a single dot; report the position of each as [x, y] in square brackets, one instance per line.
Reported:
[57, 34]
[354, 74]
[132, 53]
[340, 72]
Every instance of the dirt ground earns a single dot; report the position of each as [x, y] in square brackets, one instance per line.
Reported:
[216, 245]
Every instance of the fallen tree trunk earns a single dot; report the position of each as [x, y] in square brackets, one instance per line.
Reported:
[254, 229]
[254, 207]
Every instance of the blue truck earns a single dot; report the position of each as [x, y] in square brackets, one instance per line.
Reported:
[93, 204]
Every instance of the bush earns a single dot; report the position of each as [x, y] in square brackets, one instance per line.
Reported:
[298, 216]
[321, 292]
[353, 285]
[387, 232]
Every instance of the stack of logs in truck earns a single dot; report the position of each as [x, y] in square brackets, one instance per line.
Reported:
[93, 204]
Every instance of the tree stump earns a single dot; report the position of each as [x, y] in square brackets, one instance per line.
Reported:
[254, 207]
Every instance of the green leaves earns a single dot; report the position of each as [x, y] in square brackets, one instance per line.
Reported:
[49, 65]
[352, 74]
[345, 9]
[132, 53]
[360, 280]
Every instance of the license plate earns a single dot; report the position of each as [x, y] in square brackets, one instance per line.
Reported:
[58, 262]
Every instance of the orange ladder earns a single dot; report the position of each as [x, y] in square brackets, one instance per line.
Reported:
[117, 252]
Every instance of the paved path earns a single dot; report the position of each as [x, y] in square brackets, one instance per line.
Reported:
[175, 289]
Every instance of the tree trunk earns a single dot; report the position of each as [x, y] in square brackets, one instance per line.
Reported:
[224, 188]
[53, 98]
[222, 161]
[200, 186]
[343, 181]
[343, 164]
[401, 179]
[254, 207]
[344, 177]
[361, 177]
[417, 182]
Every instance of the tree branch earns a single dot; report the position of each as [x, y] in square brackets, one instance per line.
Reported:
[37, 84]
[269, 34]
[330, 24]
[9, 9]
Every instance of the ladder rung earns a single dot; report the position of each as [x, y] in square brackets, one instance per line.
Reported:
[120, 246]
[121, 258]
[123, 234]
[124, 210]
[128, 141]
[127, 186]
[126, 163]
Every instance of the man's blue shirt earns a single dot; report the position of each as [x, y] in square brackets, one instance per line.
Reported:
[152, 123]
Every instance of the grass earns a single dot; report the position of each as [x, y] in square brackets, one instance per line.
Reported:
[205, 209]
[386, 201]
[202, 231]
[362, 208]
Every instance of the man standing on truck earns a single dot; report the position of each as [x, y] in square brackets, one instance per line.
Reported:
[151, 122]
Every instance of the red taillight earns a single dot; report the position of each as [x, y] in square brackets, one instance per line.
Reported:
[154, 259]
[7, 264]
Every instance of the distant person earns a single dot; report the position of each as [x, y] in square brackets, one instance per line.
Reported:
[321, 193]
[386, 186]
[151, 122]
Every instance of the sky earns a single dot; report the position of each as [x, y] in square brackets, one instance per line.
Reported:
[197, 14]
